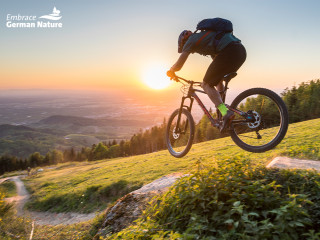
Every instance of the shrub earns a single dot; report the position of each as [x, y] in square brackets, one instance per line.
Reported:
[234, 201]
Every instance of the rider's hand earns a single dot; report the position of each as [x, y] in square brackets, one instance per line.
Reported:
[171, 74]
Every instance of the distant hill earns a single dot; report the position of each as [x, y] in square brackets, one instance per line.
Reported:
[63, 132]
[7, 129]
[60, 119]
[101, 128]
[22, 141]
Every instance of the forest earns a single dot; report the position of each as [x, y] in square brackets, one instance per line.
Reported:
[303, 103]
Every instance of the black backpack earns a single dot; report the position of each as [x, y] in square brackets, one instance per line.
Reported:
[219, 25]
[215, 24]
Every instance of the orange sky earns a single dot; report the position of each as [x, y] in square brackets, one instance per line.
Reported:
[111, 45]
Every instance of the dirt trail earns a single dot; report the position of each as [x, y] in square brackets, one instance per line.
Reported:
[42, 218]
[22, 195]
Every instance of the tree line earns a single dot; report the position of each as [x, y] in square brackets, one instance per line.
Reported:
[303, 103]
[147, 141]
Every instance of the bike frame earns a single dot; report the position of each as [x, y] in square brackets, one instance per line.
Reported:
[193, 96]
[215, 122]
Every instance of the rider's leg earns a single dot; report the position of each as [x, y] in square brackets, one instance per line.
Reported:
[215, 97]
[213, 94]
[220, 89]
[228, 60]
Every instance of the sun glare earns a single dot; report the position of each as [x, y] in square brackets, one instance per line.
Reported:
[155, 77]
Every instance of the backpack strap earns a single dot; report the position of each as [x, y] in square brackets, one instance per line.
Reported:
[200, 39]
[218, 37]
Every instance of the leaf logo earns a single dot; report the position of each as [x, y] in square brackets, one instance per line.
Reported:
[55, 15]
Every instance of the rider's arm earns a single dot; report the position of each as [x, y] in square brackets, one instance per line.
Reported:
[179, 64]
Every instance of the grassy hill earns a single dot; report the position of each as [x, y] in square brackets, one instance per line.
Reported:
[90, 186]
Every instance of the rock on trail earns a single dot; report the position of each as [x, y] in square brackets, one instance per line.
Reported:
[130, 207]
[290, 163]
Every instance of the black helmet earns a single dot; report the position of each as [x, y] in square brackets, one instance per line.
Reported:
[183, 37]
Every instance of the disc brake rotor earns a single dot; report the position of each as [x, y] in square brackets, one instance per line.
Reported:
[174, 134]
[257, 121]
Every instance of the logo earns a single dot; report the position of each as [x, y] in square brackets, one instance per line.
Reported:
[27, 21]
[53, 16]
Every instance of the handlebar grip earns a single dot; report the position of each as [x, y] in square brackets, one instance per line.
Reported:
[170, 74]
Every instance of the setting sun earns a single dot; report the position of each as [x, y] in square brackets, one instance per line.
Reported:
[155, 77]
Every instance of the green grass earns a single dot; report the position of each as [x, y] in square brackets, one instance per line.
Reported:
[78, 231]
[14, 173]
[90, 186]
[8, 188]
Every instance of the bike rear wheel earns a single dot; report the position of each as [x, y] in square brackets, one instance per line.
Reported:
[269, 124]
[180, 133]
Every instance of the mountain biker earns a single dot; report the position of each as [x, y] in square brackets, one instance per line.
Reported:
[227, 53]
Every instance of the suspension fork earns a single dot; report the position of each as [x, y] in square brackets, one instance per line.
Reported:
[180, 110]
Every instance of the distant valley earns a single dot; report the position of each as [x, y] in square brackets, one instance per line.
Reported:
[39, 121]
[61, 132]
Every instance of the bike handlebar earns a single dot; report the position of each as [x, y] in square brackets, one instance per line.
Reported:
[176, 78]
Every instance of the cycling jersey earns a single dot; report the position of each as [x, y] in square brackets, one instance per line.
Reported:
[208, 44]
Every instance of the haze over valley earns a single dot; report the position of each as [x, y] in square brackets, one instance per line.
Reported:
[41, 120]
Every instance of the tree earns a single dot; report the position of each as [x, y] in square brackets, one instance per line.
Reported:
[114, 151]
[211, 133]
[126, 148]
[100, 152]
[47, 159]
[56, 157]
[35, 159]
[69, 155]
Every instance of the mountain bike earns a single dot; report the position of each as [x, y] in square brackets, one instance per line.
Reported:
[260, 123]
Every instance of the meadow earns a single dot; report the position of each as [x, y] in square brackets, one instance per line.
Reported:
[91, 186]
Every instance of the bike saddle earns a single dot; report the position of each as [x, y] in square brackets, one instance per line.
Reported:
[229, 76]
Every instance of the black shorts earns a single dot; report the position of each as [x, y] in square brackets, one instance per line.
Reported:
[228, 60]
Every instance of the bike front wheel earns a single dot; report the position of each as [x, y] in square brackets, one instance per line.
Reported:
[268, 124]
[180, 133]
